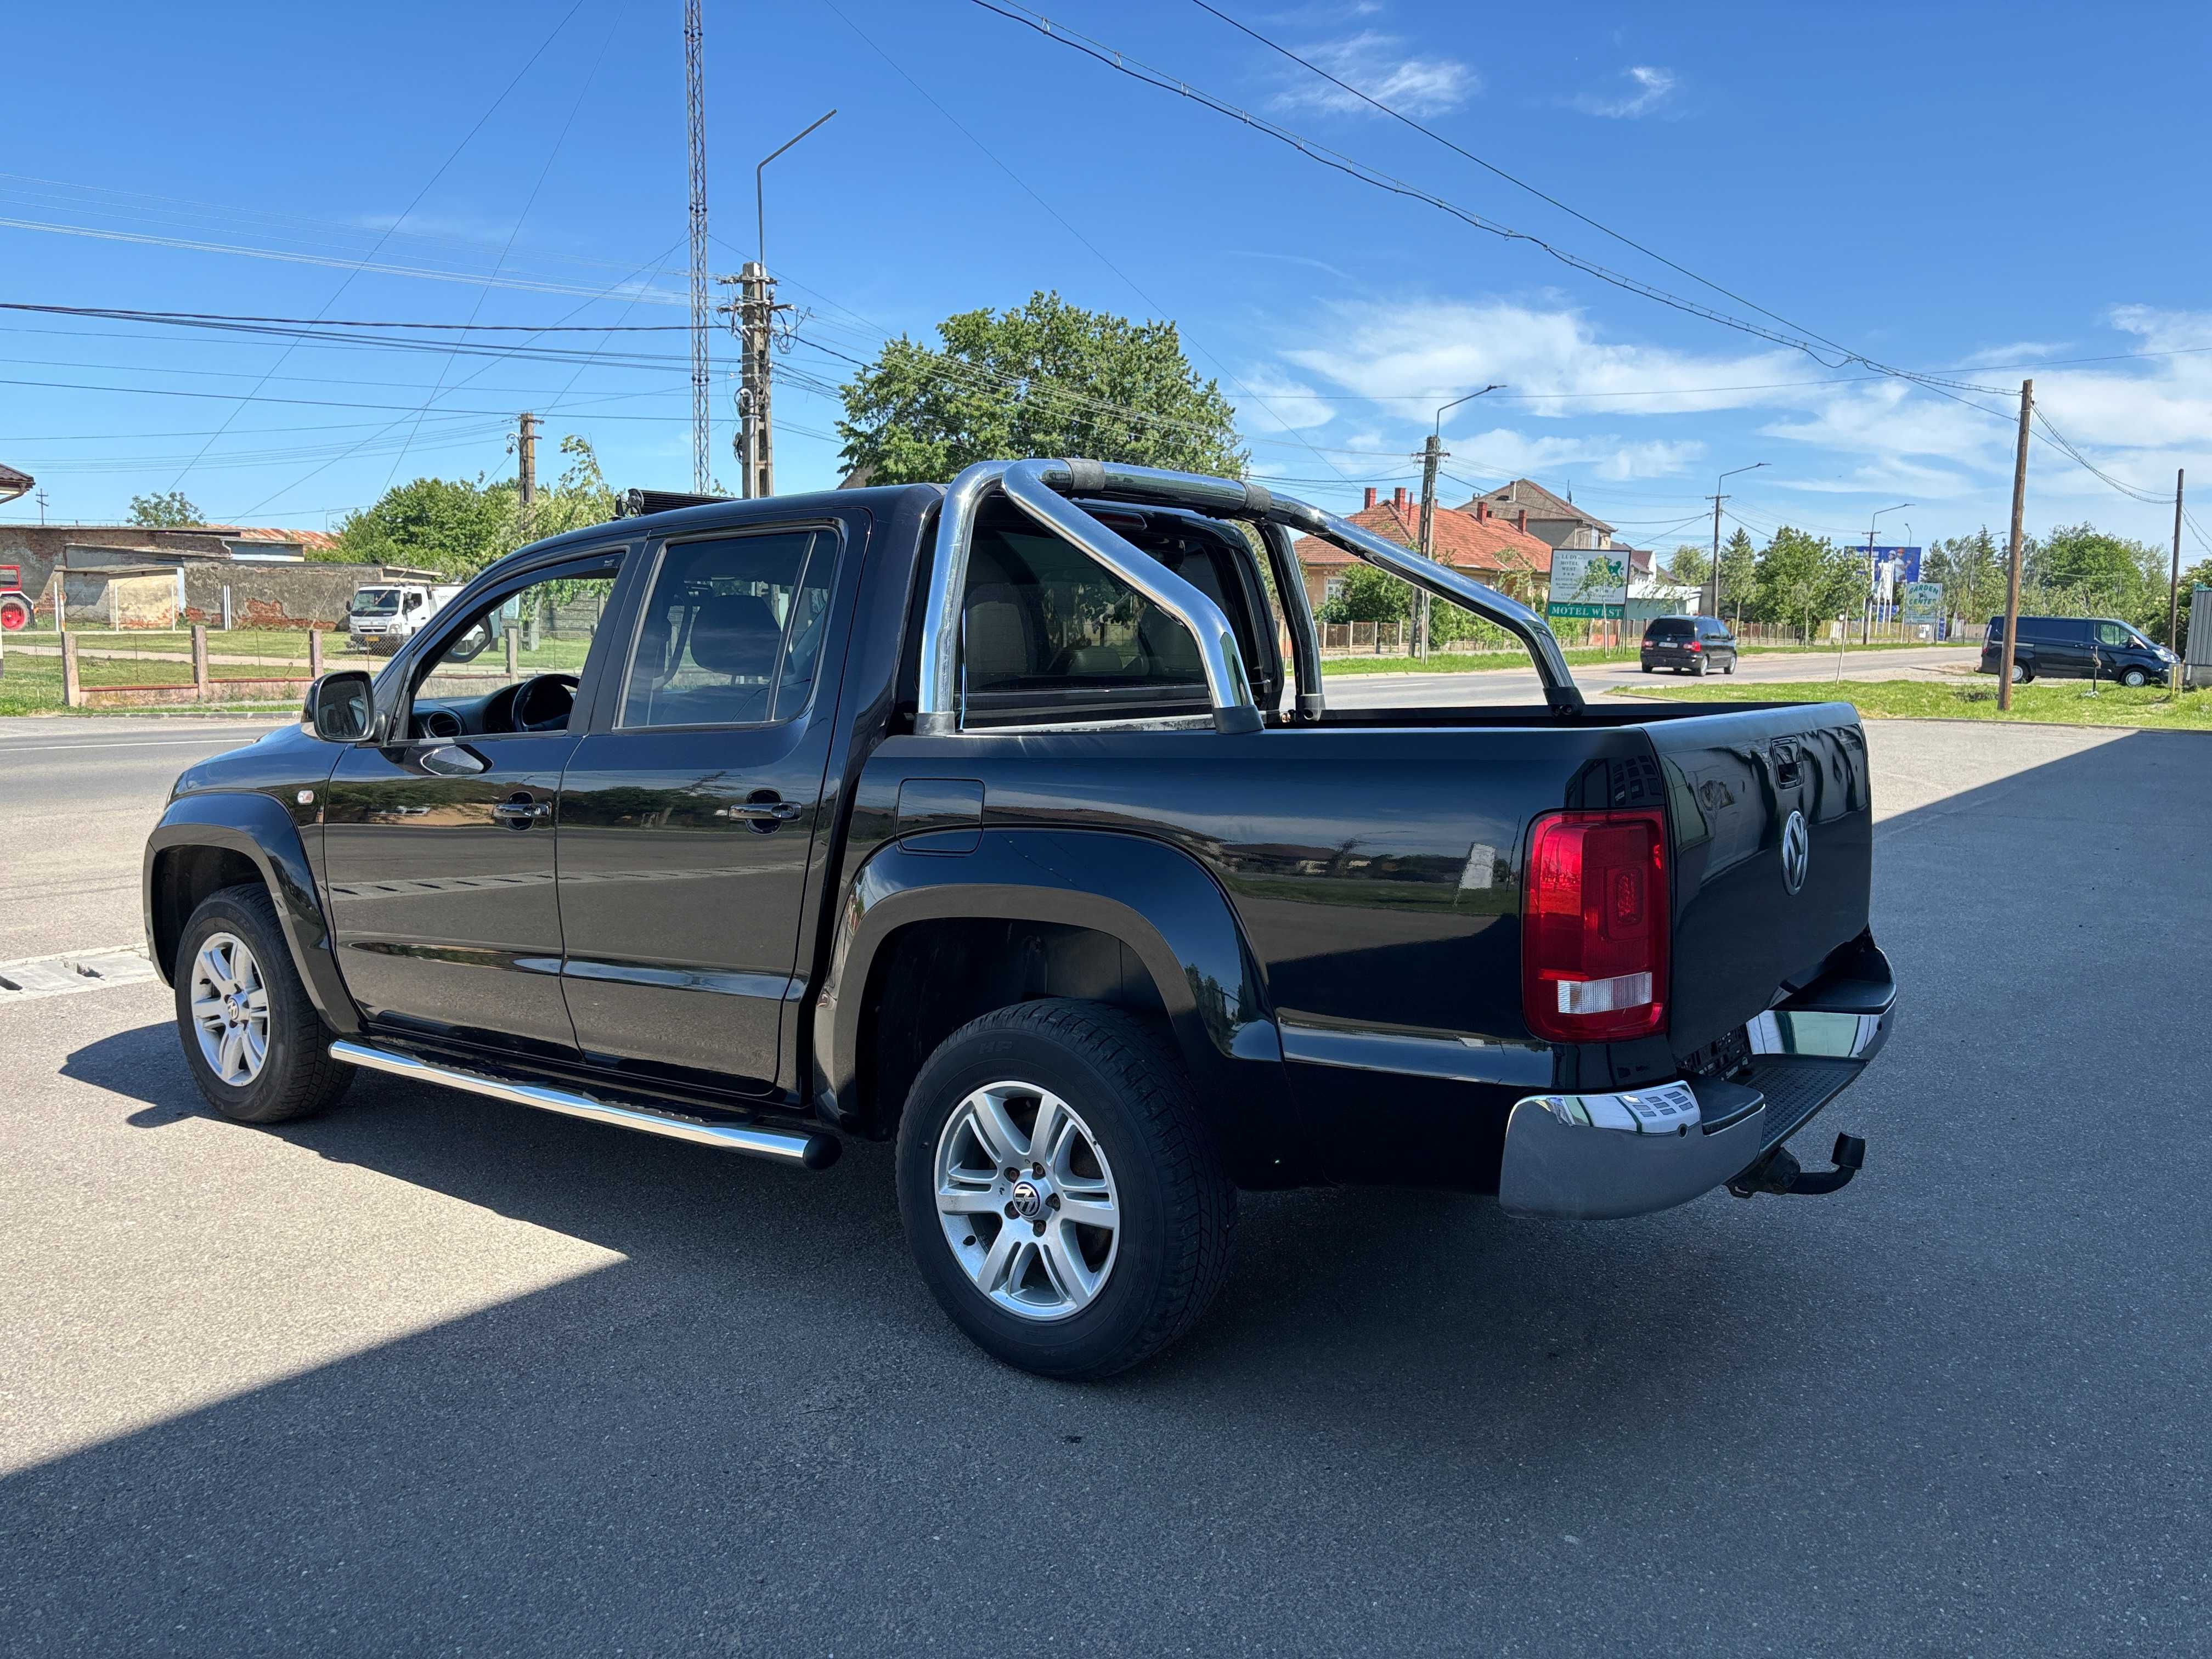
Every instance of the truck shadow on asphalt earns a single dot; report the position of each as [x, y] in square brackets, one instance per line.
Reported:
[757, 1429]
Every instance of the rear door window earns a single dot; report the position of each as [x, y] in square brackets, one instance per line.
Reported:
[731, 632]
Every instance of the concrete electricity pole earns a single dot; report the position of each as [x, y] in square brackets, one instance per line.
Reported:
[2012, 577]
[526, 461]
[1713, 576]
[2173, 590]
[1433, 451]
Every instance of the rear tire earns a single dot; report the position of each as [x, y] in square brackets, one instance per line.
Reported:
[2022, 674]
[1126, 1144]
[15, 615]
[256, 1047]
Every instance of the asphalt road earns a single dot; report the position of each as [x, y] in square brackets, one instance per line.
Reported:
[435, 1374]
[76, 799]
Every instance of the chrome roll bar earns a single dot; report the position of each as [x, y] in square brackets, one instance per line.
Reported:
[1040, 490]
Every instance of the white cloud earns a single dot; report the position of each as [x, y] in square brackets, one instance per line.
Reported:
[1649, 87]
[1400, 351]
[1268, 404]
[1506, 453]
[1379, 66]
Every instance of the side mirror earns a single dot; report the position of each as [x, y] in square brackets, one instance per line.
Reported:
[341, 707]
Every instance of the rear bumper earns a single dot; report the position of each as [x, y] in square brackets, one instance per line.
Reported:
[1589, 1158]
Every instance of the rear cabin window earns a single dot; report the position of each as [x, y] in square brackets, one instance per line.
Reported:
[1049, 635]
[1670, 628]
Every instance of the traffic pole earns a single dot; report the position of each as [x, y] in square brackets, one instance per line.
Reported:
[2012, 577]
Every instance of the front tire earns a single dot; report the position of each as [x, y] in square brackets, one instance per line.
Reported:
[253, 1043]
[2135, 679]
[1059, 1193]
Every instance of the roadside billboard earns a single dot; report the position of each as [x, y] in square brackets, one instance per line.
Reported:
[1923, 603]
[1893, 567]
[1588, 581]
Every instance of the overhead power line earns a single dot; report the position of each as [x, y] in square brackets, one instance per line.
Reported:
[1812, 345]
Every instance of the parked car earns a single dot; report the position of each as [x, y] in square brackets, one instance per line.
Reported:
[991, 820]
[2077, 648]
[1688, 645]
[386, 615]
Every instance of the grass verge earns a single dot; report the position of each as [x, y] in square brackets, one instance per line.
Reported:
[2071, 704]
[1477, 662]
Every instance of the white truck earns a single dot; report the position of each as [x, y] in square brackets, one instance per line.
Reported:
[386, 615]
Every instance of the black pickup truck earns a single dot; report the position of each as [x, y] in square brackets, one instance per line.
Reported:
[1008, 820]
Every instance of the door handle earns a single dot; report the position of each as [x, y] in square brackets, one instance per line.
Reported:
[761, 812]
[522, 813]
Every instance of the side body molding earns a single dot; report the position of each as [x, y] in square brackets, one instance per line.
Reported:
[260, 828]
[1157, 900]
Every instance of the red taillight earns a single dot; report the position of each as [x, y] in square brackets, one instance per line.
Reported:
[1693, 645]
[1594, 926]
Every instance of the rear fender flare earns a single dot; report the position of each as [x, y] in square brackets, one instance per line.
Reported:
[1157, 900]
[258, 826]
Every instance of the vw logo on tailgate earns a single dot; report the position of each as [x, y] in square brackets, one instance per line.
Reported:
[1796, 851]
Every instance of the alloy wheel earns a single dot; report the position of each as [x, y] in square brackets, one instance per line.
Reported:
[1027, 1200]
[230, 1010]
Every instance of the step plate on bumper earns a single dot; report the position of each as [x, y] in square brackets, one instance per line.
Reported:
[1577, 1171]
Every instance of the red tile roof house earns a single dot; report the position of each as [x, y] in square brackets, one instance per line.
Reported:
[1498, 551]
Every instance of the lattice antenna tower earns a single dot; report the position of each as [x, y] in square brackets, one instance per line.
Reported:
[695, 105]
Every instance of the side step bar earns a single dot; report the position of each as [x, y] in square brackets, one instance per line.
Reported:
[808, 1151]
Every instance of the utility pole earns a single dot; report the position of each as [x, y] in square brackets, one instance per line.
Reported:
[526, 461]
[2012, 577]
[1714, 583]
[40, 498]
[756, 319]
[694, 103]
[2173, 590]
[1431, 452]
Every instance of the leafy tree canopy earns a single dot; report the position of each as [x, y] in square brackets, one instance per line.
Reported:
[456, 526]
[1042, 379]
[1371, 595]
[165, 511]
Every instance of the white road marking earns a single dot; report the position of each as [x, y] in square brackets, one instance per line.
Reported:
[71, 972]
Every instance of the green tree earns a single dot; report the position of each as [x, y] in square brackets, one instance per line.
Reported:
[456, 526]
[1043, 379]
[1690, 566]
[1739, 573]
[1803, 579]
[1369, 595]
[165, 511]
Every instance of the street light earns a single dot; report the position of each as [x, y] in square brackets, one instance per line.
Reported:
[1718, 498]
[760, 213]
[1866, 624]
[1433, 451]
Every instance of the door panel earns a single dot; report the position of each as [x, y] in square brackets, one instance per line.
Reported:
[686, 829]
[442, 898]
[444, 910]
[680, 908]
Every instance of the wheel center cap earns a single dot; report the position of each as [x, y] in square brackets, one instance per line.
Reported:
[1028, 1198]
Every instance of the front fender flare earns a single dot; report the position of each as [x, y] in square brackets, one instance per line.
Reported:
[258, 826]
[1159, 901]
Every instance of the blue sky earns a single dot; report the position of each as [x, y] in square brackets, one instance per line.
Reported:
[1964, 188]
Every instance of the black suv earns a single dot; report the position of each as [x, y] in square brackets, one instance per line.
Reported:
[1689, 645]
[2079, 648]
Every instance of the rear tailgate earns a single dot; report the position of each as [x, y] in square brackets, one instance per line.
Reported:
[1750, 924]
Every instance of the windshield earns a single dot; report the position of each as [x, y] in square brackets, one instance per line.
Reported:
[376, 601]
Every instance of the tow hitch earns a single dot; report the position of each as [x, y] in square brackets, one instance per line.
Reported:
[1778, 1172]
